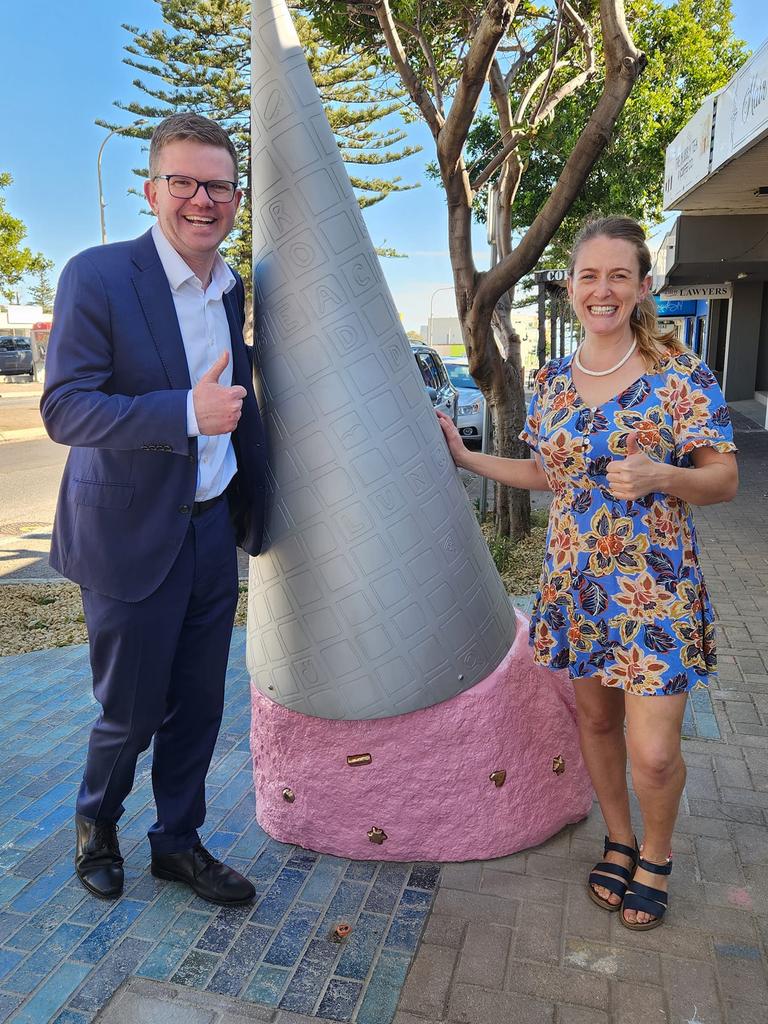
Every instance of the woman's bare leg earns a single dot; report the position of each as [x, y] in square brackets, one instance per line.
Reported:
[654, 725]
[601, 735]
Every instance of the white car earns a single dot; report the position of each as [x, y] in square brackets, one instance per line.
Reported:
[471, 402]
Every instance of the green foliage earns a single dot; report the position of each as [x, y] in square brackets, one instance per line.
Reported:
[16, 259]
[201, 62]
[692, 52]
[502, 552]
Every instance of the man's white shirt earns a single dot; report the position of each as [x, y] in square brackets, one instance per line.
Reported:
[205, 334]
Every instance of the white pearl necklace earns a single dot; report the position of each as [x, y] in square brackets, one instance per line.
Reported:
[604, 373]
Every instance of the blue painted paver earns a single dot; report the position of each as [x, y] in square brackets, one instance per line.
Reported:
[163, 960]
[340, 999]
[196, 969]
[273, 906]
[362, 945]
[310, 978]
[47, 1000]
[8, 961]
[236, 967]
[293, 936]
[380, 1000]
[267, 985]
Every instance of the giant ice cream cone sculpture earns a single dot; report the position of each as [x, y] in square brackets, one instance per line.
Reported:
[382, 648]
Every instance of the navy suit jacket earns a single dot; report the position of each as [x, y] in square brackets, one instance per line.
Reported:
[116, 383]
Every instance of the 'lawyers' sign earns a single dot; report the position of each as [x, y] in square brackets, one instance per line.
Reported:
[697, 291]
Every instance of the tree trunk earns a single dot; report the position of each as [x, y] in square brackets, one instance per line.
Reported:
[512, 507]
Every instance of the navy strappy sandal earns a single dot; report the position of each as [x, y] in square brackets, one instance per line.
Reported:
[645, 898]
[616, 879]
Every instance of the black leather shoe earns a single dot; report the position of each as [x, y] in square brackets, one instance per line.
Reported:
[98, 863]
[210, 879]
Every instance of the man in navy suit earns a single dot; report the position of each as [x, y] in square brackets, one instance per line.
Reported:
[149, 381]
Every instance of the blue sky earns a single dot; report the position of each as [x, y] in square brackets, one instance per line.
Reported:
[61, 68]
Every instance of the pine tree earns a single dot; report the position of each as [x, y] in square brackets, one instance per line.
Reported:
[42, 292]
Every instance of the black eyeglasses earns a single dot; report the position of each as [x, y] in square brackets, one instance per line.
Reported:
[181, 186]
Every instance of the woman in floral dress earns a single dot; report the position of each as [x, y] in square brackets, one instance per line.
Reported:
[627, 433]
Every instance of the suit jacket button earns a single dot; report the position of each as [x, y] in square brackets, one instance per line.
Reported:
[184, 509]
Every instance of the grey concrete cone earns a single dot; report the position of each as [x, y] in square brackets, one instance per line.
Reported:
[376, 594]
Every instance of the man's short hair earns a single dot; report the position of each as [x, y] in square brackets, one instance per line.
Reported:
[188, 126]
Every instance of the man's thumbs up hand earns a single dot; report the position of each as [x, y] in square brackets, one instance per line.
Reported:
[212, 374]
[217, 406]
[634, 476]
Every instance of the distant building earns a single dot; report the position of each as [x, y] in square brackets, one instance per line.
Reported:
[19, 320]
[443, 333]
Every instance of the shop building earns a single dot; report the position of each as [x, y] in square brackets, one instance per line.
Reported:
[716, 253]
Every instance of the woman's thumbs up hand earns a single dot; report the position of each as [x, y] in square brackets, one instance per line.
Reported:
[635, 475]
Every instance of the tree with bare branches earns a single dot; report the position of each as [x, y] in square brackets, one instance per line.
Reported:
[520, 60]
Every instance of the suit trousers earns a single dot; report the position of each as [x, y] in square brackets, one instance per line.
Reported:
[158, 670]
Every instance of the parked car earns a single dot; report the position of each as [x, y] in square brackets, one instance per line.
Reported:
[443, 395]
[471, 400]
[16, 357]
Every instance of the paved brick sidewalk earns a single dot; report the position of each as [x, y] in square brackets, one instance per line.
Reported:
[517, 940]
[512, 940]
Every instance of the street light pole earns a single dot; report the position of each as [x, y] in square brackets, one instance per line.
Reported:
[442, 288]
[102, 204]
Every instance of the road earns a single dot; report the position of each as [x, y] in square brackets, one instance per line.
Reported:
[30, 471]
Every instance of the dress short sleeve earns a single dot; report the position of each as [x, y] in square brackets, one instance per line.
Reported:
[700, 415]
[530, 431]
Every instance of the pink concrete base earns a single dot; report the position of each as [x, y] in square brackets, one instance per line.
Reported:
[427, 786]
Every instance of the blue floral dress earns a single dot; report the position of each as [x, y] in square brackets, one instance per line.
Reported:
[622, 596]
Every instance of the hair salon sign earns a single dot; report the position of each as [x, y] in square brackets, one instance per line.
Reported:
[742, 109]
